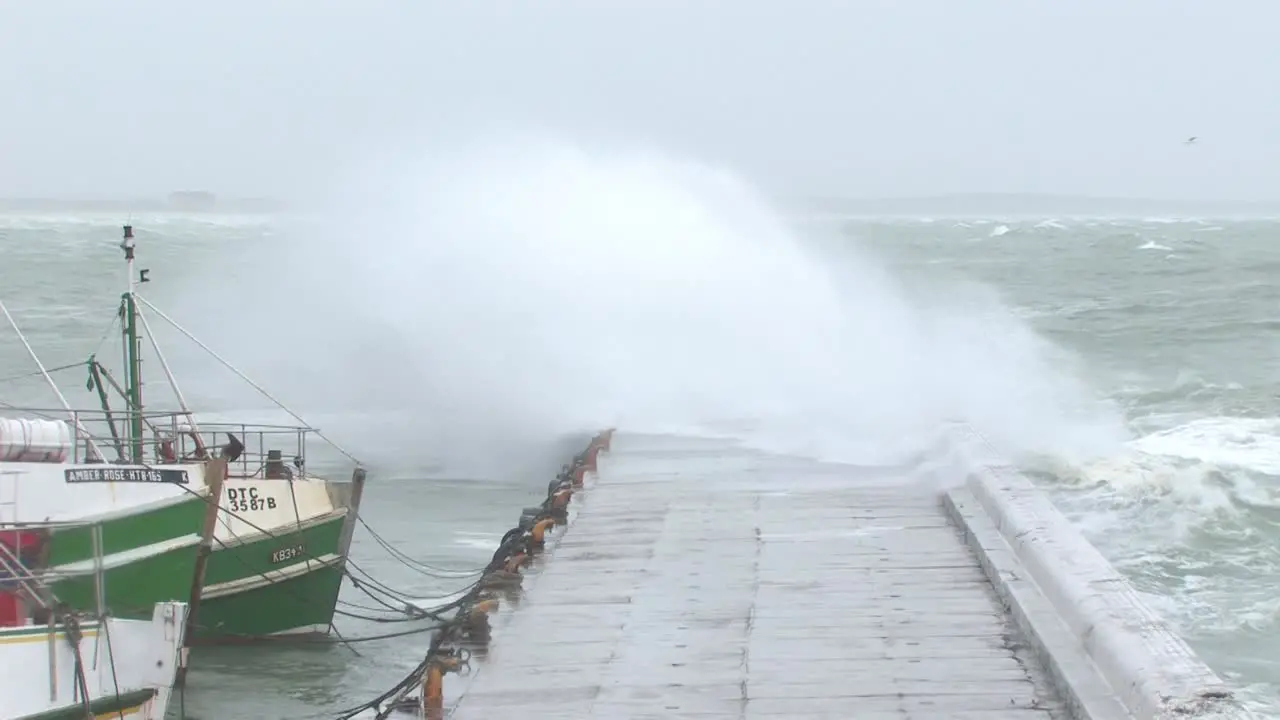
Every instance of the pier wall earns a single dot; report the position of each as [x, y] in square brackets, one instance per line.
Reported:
[1099, 641]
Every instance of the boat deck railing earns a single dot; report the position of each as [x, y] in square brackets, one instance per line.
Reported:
[269, 452]
[33, 585]
[259, 450]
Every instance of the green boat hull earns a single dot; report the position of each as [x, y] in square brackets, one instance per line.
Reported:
[278, 584]
[147, 557]
[132, 590]
[180, 518]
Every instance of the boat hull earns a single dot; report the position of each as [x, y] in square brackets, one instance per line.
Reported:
[124, 534]
[132, 587]
[129, 667]
[148, 555]
[281, 582]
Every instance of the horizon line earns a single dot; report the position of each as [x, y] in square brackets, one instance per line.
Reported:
[261, 201]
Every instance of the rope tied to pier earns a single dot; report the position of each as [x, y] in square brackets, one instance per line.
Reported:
[469, 627]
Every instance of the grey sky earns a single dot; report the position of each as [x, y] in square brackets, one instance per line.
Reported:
[855, 98]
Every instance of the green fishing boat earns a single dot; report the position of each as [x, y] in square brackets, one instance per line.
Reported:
[277, 534]
[101, 528]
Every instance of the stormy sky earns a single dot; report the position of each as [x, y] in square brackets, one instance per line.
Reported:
[844, 97]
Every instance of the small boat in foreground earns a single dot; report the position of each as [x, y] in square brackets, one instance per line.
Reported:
[66, 664]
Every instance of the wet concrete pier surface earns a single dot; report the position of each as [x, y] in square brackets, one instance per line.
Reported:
[699, 580]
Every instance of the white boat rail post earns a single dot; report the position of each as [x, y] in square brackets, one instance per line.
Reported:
[52, 644]
[75, 419]
[99, 576]
[246, 451]
[84, 437]
[99, 592]
[75, 448]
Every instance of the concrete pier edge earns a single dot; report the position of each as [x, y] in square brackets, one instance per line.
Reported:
[1072, 671]
[1078, 611]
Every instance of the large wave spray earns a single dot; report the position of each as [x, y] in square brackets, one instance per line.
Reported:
[529, 290]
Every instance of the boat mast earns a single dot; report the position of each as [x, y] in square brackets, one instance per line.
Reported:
[132, 350]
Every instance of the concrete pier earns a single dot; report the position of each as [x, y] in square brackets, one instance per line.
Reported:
[697, 579]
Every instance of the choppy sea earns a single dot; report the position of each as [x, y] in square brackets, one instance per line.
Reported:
[1172, 321]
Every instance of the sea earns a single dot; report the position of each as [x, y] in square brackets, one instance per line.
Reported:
[1169, 323]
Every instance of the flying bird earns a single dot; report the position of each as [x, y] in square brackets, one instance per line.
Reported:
[1190, 141]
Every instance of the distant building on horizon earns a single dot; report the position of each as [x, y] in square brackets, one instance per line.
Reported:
[192, 200]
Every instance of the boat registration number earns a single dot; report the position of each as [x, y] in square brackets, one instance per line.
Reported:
[293, 552]
[248, 499]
